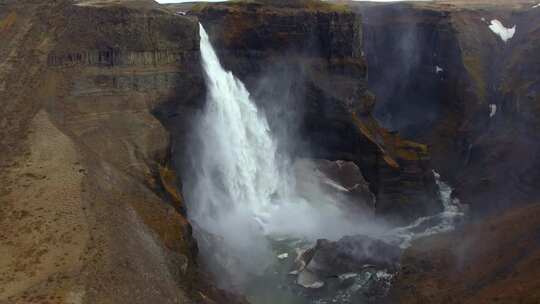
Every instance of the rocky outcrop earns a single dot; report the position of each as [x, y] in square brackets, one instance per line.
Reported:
[353, 269]
[303, 63]
[352, 254]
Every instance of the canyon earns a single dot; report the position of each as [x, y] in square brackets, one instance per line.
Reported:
[102, 101]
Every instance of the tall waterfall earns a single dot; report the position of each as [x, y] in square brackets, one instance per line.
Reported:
[236, 168]
[239, 154]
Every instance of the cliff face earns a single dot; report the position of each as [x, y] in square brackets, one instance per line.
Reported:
[504, 78]
[439, 71]
[90, 209]
[305, 67]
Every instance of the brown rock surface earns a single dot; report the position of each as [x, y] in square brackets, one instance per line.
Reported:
[89, 211]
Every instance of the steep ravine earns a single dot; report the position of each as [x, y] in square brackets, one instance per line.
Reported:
[438, 71]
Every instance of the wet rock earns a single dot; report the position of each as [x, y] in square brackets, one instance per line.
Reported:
[346, 177]
[355, 269]
[352, 254]
[341, 180]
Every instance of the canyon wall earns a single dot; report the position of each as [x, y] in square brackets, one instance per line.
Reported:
[304, 65]
[476, 113]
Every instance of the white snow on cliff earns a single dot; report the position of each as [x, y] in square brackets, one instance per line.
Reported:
[505, 33]
[492, 110]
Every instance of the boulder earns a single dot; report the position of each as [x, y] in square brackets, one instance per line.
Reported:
[352, 254]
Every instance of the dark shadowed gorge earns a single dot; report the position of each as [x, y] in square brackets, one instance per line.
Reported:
[376, 152]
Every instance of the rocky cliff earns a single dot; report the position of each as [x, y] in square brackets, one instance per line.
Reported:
[303, 62]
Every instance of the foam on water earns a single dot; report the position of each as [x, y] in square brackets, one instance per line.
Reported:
[425, 226]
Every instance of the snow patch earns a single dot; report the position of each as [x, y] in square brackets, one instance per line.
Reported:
[283, 256]
[499, 29]
[492, 110]
[538, 5]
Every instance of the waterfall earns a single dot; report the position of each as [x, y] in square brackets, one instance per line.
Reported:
[235, 167]
[243, 191]
[239, 153]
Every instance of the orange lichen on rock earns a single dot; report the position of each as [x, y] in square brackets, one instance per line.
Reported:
[7, 23]
[169, 182]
